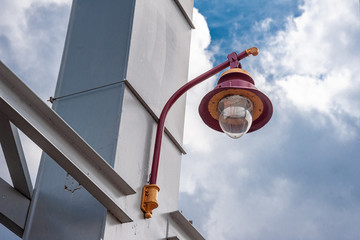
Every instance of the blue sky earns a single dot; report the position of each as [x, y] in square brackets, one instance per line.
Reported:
[296, 178]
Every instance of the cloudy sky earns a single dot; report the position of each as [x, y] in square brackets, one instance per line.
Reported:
[296, 178]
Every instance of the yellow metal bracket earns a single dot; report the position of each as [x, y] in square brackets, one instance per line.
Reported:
[253, 51]
[149, 199]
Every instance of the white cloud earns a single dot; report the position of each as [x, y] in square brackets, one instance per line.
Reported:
[239, 205]
[310, 69]
[315, 62]
[323, 101]
[279, 212]
[197, 136]
[196, 132]
[264, 25]
[315, 65]
[32, 35]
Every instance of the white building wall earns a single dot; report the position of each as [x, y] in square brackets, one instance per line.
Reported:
[157, 67]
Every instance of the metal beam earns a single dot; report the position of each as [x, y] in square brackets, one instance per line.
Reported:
[55, 137]
[186, 226]
[184, 13]
[14, 156]
[14, 208]
[153, 115]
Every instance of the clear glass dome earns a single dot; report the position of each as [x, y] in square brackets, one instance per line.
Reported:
[235, 115]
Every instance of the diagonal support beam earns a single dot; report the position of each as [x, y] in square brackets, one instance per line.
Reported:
[14, 156]
[55, 137]
[14, 208]
[186, 226]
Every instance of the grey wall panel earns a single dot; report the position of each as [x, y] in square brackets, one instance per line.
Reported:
[96, 117]
[14, 207]
[96, 48]
[136, 137]
[15, 158]
[108, 41]
[188, 6]
[133, 155]
[60, 200]
[159, 57]
[96, 54]
[158, 66]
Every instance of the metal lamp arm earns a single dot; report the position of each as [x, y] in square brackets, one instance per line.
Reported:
[149, 195]
[176, 96]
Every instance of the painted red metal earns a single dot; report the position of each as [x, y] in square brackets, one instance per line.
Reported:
[236, 84]
[233, 60]
[172, 100]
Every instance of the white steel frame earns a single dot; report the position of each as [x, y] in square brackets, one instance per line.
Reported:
[53, 135]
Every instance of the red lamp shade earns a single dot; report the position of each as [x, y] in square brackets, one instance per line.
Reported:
[236, 81]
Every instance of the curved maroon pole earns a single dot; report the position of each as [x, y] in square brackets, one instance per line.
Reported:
[179, 93]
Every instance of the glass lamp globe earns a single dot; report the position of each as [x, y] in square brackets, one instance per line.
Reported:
[235, 115]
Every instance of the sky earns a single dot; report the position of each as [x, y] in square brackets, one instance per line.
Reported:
[297, 177]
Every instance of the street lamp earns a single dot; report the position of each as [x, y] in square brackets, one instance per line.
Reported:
[235, 106]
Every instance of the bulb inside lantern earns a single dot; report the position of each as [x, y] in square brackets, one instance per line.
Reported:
[235, 115]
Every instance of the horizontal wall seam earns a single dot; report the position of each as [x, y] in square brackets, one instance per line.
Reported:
[182, 10]
[137, 96]
[153, 115]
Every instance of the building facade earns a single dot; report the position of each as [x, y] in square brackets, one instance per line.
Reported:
[122, 61]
